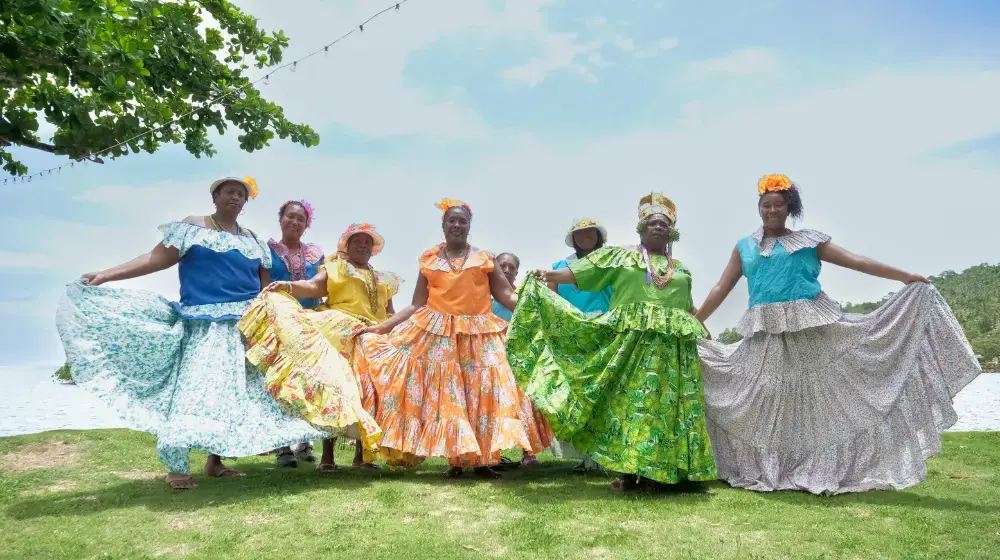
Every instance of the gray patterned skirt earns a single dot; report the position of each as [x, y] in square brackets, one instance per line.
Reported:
[857, 404]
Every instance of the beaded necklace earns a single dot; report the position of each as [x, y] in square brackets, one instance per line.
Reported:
[657, 279]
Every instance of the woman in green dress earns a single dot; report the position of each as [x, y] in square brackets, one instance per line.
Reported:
[624, 388]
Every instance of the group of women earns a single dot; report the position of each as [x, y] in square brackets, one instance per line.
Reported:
[604, 358]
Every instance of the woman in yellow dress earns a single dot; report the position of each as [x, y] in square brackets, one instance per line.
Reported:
[298, 347]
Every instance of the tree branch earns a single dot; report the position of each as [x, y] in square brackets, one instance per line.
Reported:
[34, 144]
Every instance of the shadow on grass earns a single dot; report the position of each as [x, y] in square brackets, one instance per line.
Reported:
[547, 483]
[901, 498]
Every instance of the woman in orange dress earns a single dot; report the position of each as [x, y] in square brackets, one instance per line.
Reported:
[439, 366]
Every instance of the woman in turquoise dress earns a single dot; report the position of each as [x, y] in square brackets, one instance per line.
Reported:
[293, 260]
[625, 387]
[816, 399]
[178, 369]
[584, 237]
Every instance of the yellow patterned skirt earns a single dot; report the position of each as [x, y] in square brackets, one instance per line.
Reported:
[305, 356]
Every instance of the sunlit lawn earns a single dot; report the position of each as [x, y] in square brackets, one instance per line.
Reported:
[99, 496]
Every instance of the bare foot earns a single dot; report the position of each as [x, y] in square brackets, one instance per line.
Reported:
[179, 481]
[215, 468]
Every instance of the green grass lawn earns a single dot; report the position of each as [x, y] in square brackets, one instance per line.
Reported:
[99, 494]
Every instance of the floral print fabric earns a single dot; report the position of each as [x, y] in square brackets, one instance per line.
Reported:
[184, 381]
[624, 389]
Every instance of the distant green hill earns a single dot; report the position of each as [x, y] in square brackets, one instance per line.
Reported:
[974, 297]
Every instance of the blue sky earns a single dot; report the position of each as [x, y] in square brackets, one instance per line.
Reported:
[539, 112]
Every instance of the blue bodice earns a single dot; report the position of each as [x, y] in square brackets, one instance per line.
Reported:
[783, 269]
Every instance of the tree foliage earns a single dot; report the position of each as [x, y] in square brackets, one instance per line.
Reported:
[63, 375]
[729, 336]
[104, 71]
[974, 298]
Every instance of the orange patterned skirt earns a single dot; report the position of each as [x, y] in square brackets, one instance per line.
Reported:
[445, 390]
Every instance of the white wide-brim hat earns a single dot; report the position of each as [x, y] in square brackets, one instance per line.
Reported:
[583, 224]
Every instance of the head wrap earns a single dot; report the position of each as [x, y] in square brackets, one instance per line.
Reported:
[249, 183]
[447, 204]
[773, 183]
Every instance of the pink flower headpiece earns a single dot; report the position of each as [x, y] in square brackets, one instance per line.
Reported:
[305, 206]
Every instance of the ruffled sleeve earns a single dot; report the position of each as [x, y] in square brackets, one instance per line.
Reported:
[181, 235]
[792, 242]
[597, 270]
[391, 283]
[265, 251]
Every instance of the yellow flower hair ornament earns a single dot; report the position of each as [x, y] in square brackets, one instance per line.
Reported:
[252, 184]
[773, 183]
[447, 204]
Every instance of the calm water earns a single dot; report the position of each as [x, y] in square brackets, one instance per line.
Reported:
[30, 402]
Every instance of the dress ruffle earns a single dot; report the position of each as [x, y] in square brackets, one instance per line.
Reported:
[443, 324]
[186, 382]
[647, 316]
[792, 242]
[184, 235]
[790, 316]
[303, 370]
[445, 390]
[854, 405]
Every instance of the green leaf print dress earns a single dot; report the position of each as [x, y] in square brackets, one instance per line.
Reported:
[624, 388]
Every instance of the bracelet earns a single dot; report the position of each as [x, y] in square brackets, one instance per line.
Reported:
[289, 288]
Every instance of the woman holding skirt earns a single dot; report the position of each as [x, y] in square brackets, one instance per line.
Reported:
[177, 370]
[625, 387]
[298, 347]
[439, 366]
[291, 260]
[817, 400]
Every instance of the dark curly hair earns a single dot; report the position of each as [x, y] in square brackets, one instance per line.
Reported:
[793, 199]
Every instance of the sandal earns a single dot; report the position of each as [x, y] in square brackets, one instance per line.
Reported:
[327, 467]
[286, 460]
[529, 460]
[455, 472]
[180, 481]
[226, 472]
[367, 466]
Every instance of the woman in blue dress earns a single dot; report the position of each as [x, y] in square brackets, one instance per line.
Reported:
[584, 237]
[293, 260]
[178, 370]
[815, 399]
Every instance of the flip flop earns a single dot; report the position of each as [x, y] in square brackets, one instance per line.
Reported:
[367, 466]
[327, 467]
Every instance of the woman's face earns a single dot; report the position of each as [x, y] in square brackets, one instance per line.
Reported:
[508, 265]
[293, 221]
[654, 237]
[456, 225]
[587, 239]
[230, 197]
[359, 248]
[773, 210]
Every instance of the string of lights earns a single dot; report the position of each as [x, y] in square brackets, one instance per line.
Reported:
[266, 78]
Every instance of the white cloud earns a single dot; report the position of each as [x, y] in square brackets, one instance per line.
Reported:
[744, 62]
[561, 51]
[624, 43]
[595, 22]
[668, 43]
[857, 150]
[27, 261]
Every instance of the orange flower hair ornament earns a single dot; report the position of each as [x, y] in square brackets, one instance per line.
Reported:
[447, 204]
[773, 183]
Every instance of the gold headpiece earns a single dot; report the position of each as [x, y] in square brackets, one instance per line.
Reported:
[656, 203]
